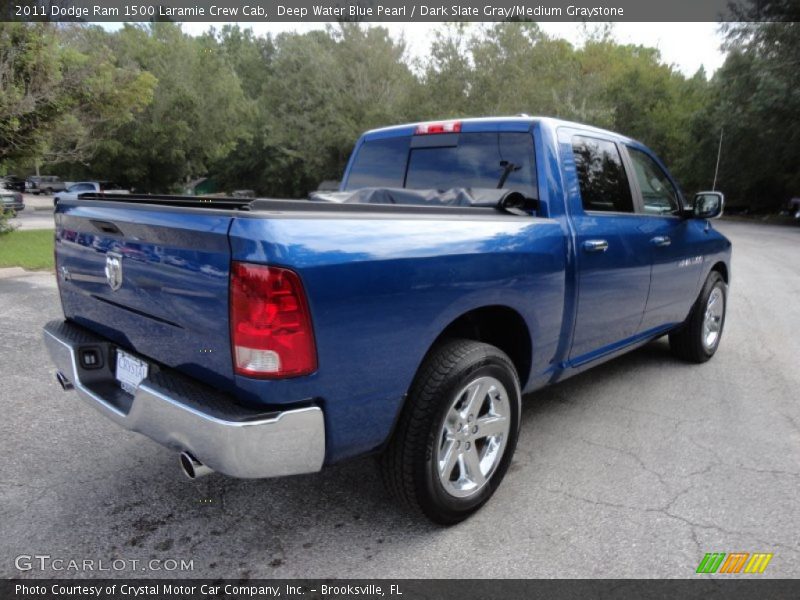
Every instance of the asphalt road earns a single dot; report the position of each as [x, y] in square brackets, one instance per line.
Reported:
[634, 469]
[38, 213]
[33, 219]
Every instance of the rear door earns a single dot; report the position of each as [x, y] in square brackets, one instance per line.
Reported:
[154, 279]
[612, 252]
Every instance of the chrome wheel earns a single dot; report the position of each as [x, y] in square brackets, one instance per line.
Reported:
[712, 321]
[473, 436]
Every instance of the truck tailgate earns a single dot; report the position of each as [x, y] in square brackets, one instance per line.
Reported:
[153, 279]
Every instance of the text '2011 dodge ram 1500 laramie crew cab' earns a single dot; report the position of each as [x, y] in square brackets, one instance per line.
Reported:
[461, 264]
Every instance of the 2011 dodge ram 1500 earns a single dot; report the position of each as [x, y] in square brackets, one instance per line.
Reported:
[461, 264]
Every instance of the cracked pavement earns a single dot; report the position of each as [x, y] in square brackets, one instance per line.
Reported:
[635, 468]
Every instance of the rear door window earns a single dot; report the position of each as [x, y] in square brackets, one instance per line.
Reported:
[601, 176]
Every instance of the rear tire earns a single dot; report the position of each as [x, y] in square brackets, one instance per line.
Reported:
[456, 436]
[698, 338]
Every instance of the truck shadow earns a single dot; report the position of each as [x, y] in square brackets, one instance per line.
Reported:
[336, 523]
[582, 387]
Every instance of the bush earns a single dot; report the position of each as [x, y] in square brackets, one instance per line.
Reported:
[5, 226]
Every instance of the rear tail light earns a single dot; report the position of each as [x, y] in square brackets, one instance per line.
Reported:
[443, 127]
[271, 330]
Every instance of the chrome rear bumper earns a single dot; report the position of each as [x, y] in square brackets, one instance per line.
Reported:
[185, 415]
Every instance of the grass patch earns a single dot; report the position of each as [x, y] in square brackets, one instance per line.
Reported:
[32, 250]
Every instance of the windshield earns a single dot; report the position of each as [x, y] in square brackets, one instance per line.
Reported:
[445, 161]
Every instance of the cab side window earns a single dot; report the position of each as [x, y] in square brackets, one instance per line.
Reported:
[601, 175]
[658, 194]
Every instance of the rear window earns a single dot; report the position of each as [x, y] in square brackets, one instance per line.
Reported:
[445, 161]
[380, 163]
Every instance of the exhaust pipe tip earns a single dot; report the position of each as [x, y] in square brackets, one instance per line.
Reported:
[65, 383]
[192, 467]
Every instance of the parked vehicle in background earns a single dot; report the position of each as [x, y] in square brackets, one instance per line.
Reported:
[329, 185]
[44, 184]
[794, 207]
[12, 182]
[461, 264]
[88, 187]
[11, 201]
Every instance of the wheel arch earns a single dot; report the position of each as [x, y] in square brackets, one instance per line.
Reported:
[721, 268]
[509, 332]
[498, 325]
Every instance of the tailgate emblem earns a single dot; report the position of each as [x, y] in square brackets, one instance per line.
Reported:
[114, 270]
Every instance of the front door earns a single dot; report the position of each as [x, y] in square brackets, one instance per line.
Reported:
[613, 253]
[675, 243]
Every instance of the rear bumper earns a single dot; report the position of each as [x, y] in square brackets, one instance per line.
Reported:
[185, 415]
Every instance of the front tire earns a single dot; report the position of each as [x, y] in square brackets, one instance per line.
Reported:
[698, 338]
[456, 436]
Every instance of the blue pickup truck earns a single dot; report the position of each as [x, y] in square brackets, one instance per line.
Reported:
[460, 265]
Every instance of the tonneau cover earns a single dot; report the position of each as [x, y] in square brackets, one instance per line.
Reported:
[482, 197]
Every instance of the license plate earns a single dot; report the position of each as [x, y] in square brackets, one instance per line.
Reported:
[130, 371]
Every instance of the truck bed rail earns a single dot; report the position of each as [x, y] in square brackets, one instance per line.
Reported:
[297, 205]
[174, 200]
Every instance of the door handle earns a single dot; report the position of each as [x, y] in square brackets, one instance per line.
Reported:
[661, 240]
[595, 245]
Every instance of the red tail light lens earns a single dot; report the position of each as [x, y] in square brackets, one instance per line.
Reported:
[271, 330]
[445, 127]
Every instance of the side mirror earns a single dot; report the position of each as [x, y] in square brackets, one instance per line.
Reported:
[708, 205]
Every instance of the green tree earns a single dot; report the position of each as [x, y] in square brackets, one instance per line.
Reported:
[62, 91]
[757, 103]
[318, 91]
[31, 99]
[643, 98]
[447, 75]
[194, 120]
[510, 68]
[519, 69]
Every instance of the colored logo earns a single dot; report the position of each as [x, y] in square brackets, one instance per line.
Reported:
[735, 562]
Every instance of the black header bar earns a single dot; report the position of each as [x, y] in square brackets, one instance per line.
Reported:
[702, 587]
[392, 10]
